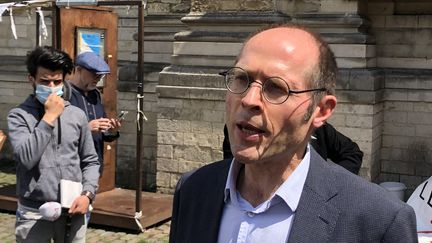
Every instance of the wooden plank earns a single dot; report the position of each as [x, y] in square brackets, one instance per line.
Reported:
[114, 208]
[155, 208]
[2, 139]
[8, 200]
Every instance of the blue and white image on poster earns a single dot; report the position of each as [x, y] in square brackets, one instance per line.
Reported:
[91, 41]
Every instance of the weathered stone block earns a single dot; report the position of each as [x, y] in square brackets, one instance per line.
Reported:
[381, 8]
[395, 116]
[397, 167]
[163, 179]
[419, 118]
[202, 140]
[185, 166]
[174, 125]
[174, 138]
[341, 6]
[158, 8]
[201, 127]
[401, 129]
[406, 21]
[359, 121]
[193, 154]
[165, 151]
[167, 165]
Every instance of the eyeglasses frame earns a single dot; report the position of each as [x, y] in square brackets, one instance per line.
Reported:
[225, 74]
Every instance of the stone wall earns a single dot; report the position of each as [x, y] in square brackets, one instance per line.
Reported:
[14, 88]
[403, 33]
[383, 87]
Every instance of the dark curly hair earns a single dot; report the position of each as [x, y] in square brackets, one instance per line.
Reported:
[49, 58]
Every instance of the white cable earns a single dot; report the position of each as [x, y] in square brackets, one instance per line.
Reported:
[137, 217]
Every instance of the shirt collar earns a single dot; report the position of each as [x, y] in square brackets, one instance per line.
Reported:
[290, 191]
[231, 183]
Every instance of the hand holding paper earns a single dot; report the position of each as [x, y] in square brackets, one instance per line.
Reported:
[80, 205]
[69, 191]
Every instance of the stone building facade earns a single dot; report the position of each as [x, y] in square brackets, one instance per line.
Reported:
[384, 85]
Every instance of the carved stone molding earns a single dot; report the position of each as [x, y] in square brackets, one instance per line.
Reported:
[206, 6]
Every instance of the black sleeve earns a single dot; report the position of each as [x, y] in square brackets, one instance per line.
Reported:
[226, 147]
[339, 148]
[109, 137]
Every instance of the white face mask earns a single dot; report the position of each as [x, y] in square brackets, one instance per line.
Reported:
[42, 92]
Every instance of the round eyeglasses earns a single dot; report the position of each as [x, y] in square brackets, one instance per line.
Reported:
[274, 89]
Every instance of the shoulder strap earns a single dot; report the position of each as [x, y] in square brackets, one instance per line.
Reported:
[99, 95]
[67, 90]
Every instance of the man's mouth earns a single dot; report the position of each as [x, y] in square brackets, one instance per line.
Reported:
[249, 129]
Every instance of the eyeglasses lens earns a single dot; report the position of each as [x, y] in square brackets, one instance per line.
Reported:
[275, 90]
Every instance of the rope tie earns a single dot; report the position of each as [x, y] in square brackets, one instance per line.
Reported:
[139, 111]
[137, 217]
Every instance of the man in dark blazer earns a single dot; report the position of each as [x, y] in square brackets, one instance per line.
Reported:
[277, 188]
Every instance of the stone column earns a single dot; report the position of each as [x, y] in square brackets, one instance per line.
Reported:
[359, 113]
[191, 93]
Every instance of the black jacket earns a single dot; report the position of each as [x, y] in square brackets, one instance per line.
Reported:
[93, 107]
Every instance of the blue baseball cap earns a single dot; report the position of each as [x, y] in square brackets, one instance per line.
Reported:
[92, 62]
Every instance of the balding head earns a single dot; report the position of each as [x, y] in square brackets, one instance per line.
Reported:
[306, 47]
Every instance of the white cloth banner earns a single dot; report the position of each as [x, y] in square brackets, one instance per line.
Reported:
[421, 202]
[3, 8]
[43, 29]
[12, 22]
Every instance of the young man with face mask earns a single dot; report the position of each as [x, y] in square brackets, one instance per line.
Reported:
[90, 69]
[51, 141]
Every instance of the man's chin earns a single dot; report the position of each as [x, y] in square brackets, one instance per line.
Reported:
[247, 156]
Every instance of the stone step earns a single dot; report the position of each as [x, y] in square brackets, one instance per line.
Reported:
[13, 76]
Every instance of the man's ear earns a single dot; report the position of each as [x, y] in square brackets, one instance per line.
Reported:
[324, 110]
[31, 79]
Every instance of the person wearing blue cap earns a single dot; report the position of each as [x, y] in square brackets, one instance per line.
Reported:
[90, 68]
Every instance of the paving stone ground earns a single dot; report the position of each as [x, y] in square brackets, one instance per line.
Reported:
[95, 234]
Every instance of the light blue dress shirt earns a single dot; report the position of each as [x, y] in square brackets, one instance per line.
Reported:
[268, 222]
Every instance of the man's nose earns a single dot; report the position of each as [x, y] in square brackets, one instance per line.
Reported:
[253, 95]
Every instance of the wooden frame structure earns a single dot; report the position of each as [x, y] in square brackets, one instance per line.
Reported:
[115, 207]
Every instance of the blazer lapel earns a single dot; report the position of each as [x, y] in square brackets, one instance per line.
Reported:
[315, 217]
[208, 219]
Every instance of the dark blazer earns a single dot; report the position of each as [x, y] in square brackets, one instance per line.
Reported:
[335, 206]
